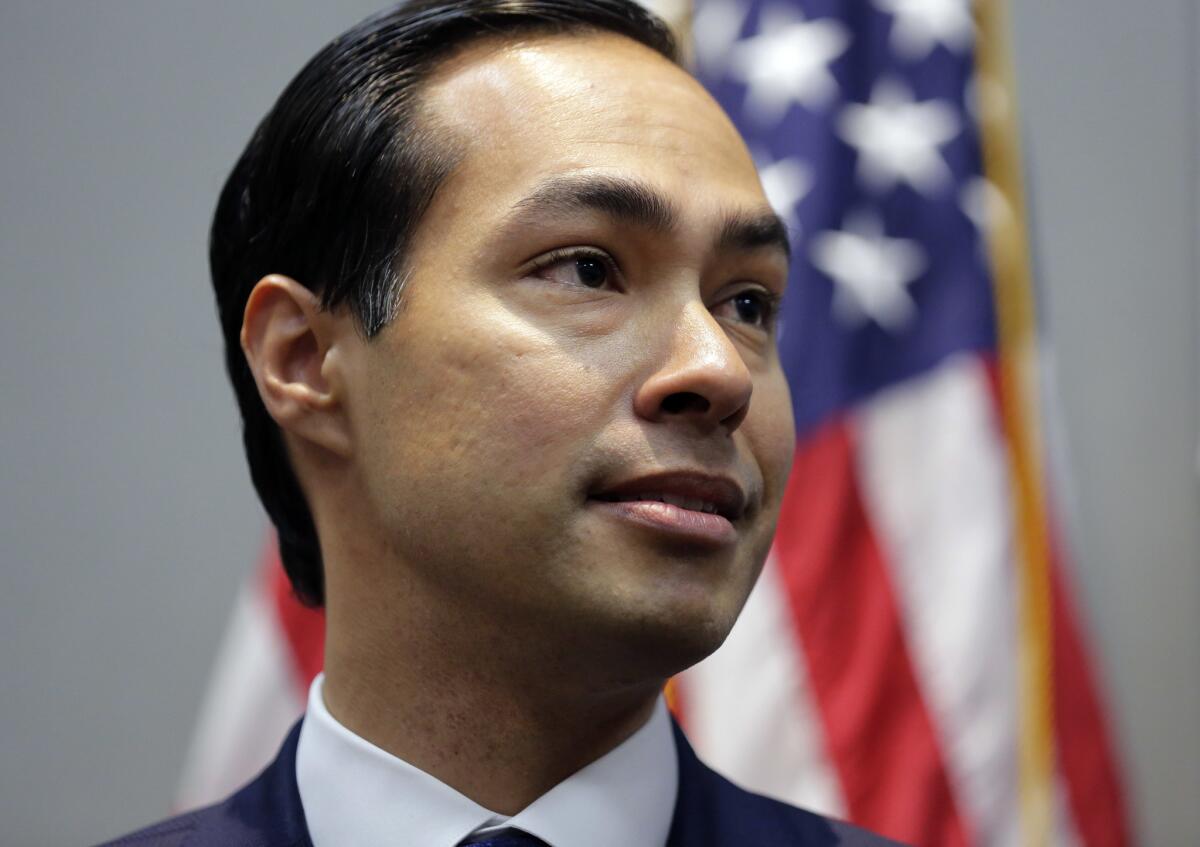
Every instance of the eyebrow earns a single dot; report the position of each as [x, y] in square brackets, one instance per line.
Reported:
[642, 205]
[742, 231]
[623, 199]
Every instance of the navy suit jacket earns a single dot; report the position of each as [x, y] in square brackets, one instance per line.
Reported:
[710, 812]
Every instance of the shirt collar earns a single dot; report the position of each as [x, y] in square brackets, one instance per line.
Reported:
[356, 793]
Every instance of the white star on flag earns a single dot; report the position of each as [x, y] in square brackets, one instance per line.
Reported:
[871, 272]
[984, 203]
[785, 182]
[715, 29]
[920, 25]
[897, 138]
[787, 63]
[986, 99]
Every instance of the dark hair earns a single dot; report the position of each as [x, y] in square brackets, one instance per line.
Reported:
[333, 184]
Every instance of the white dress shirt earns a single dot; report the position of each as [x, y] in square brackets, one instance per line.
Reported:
[355, 793]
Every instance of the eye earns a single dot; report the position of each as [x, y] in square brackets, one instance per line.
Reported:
[752, 306]
[577, 267]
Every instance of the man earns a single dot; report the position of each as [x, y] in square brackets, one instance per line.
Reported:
[498, 284]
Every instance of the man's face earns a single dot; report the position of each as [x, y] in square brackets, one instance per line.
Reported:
[586, 330]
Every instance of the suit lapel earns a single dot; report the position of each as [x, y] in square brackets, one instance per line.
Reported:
[266, 813]
[693, 824]
[711, 811]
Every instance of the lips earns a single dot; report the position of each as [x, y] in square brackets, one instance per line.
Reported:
[689, 506]
[694, 504]
[695, 492]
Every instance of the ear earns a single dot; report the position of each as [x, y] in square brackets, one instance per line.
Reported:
[288, 339]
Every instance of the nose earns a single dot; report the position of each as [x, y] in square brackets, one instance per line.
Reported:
[702, 379]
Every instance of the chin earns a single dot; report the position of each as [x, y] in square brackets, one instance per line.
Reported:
[658, 640]
[637, 614]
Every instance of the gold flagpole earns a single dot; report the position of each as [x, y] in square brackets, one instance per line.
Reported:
[1018, 362]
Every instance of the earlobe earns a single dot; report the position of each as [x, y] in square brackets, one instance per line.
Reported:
[287, 338]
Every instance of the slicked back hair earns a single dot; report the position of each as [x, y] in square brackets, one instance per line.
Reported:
[334, 183]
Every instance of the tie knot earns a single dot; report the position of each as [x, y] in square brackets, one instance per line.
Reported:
[505, 838]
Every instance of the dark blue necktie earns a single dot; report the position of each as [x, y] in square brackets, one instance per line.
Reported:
[506, 838]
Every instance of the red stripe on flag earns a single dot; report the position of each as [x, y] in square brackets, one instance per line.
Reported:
[878, 732]
[303, 628]
[1085, 752]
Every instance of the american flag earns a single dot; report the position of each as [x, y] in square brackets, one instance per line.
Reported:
[910, 659]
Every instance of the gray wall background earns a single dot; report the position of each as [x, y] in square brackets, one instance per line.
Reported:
[126, 514]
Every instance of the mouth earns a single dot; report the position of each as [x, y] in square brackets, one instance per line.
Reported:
[688, 506]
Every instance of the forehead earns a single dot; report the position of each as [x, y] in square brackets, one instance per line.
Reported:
[529, 110]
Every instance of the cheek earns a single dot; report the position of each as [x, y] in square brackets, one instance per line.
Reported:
[500, 410]
[527, 405]
[480, 443]
[771, 428]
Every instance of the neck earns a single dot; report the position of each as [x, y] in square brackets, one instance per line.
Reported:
[500, 718]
